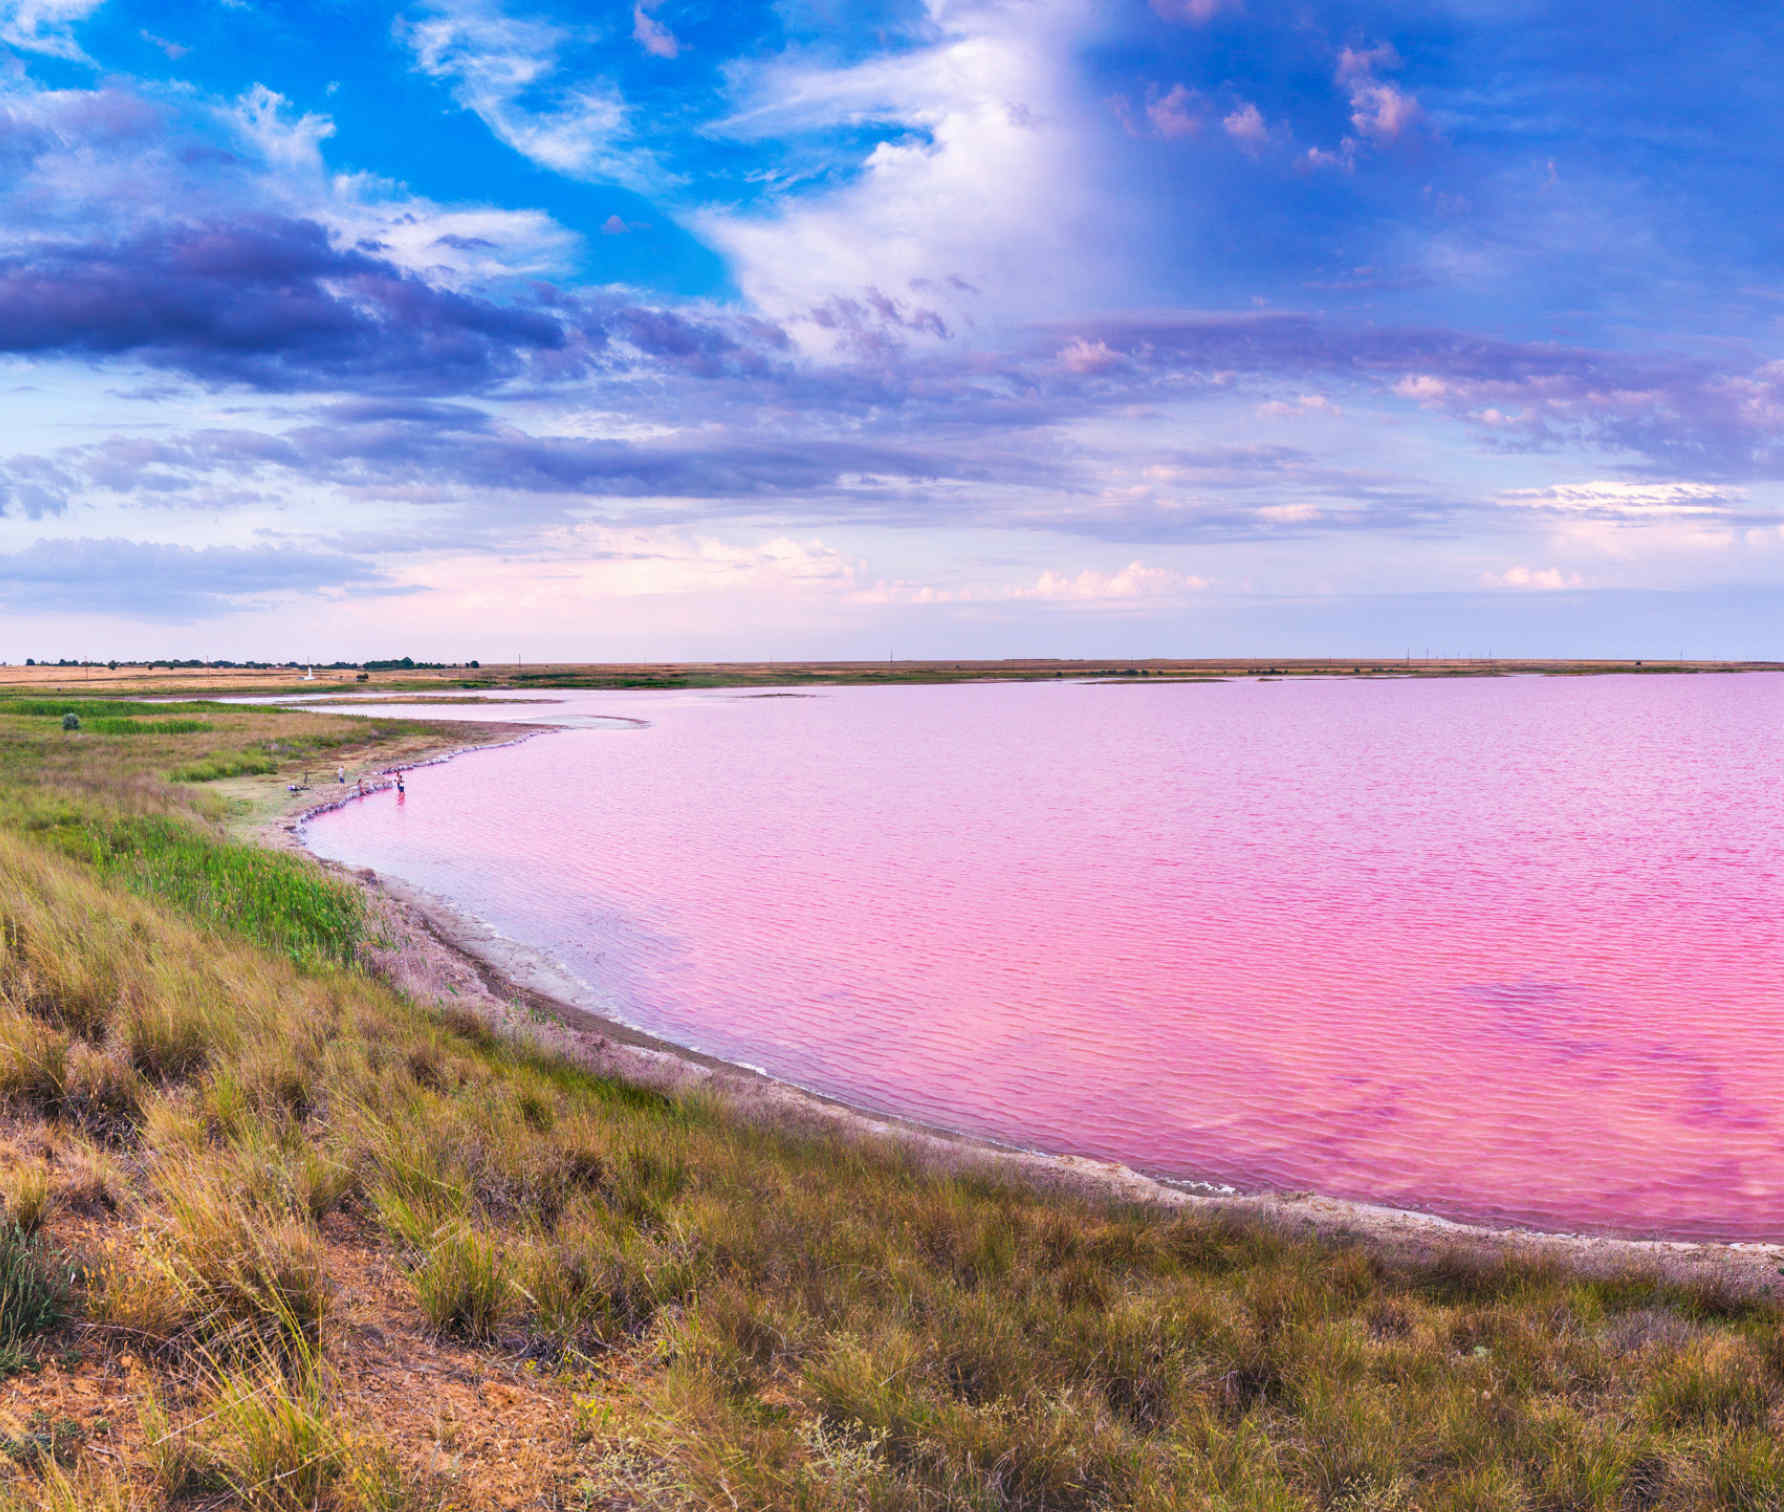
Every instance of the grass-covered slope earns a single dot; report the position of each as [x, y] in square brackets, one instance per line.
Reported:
[277, 1238]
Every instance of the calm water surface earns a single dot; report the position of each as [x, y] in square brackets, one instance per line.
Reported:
[1504, 950]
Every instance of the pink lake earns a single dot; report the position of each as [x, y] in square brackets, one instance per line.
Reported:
[1506, 950]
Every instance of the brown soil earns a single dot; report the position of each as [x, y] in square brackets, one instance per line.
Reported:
[482, 1429]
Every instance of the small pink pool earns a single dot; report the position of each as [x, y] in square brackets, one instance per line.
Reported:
[1508, 950]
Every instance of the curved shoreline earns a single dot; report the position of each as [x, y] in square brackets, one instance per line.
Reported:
[449, 957]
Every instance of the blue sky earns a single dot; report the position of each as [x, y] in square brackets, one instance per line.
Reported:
[673, 329]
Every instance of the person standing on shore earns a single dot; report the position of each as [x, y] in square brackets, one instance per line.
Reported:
[341, 774]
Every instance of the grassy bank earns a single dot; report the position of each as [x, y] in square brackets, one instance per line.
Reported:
[278, 1237]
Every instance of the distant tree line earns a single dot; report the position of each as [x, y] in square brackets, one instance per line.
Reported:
[400, 664]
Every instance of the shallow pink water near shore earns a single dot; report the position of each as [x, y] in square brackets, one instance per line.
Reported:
[1508, 950]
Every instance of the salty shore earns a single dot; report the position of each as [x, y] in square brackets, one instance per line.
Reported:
[439, 954]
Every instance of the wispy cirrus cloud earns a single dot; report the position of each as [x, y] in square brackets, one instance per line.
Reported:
[650, 33]
[1616, 500]
[506, 70]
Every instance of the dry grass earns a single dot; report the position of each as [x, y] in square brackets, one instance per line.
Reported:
[294, 1229]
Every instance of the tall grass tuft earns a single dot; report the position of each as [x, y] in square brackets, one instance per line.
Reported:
[32, 1294]
[462, 1286]
[268, 1438]
[241, 1270]
[30, 1195]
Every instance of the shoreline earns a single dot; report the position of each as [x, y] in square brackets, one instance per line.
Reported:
[447, 958]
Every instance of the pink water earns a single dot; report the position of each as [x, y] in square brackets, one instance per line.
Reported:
[1505, 950]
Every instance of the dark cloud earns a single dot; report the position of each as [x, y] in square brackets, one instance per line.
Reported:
[271, 303]
[446, 417]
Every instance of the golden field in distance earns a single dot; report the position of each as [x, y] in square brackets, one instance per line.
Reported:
[101, 678]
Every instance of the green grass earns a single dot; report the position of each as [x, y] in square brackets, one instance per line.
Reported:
[113, 726]
[226, 764]
[100, 708]
[32, 1295]
[281, 902]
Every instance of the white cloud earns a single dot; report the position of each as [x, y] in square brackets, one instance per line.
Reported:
[285, 140]
[1306, 404]
[1632, 501]
[45, 26]
[1134, 581]
[453, 247]
[1543, 578]
[504, 70]
[986, 189]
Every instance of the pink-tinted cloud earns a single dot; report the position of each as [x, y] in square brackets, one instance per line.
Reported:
[1083, 356]
[1382, 111]
[650, 33]
[1193, 12]
[1175, 113]
[1246, 126]
[1551, 579]
[1343, 158]
[1362, 64]
[1306, 404]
